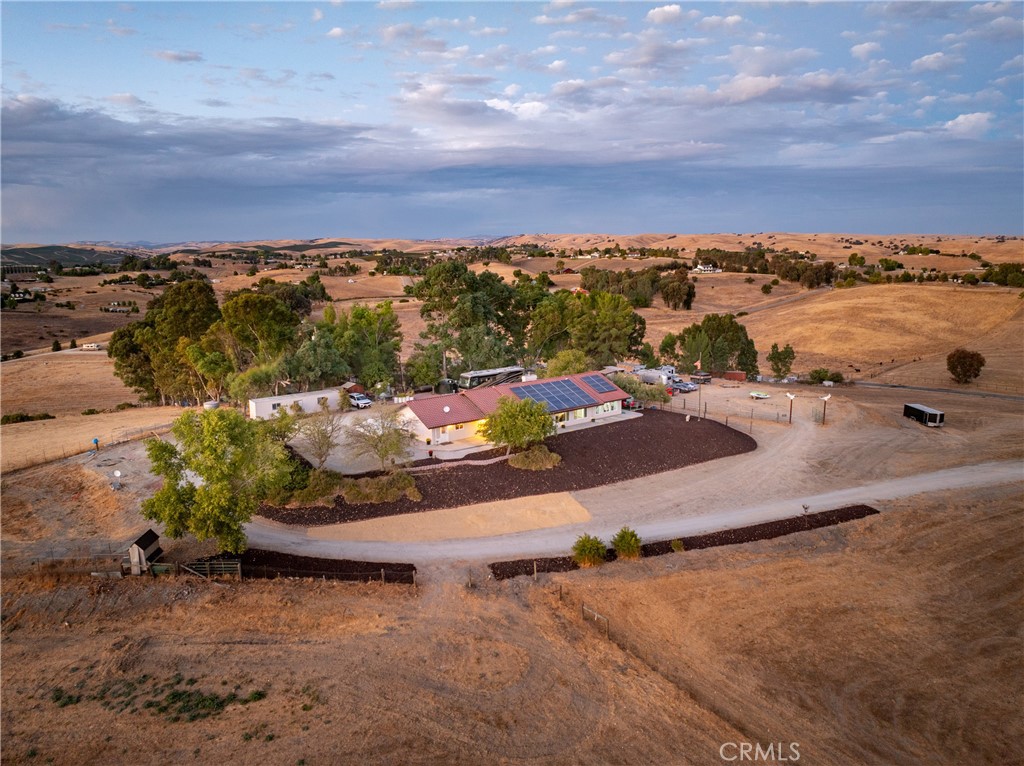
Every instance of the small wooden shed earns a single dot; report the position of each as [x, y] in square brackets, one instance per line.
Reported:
[735, 375]
[144, 552]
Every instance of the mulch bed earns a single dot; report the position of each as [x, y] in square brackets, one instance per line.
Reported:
[502, 570]
[659, 441]
[259, 564]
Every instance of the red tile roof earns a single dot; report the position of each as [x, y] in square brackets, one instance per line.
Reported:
[478, 403]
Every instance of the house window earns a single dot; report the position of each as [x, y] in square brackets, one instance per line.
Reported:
[275, 406]
[561, 417]
[580, 414]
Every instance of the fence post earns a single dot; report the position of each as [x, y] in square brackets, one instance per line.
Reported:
[382, 575]
[535, 570]
[414, 585]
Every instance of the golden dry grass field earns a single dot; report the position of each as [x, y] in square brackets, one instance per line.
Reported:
[890, 640]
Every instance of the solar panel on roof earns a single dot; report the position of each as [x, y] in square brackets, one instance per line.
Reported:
[599, 383]
[558, 395]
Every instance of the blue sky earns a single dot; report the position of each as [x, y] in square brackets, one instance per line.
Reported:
[204, 120]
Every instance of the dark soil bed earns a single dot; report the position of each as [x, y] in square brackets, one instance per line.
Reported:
[502, 570]
[260, 564]
[659, 441]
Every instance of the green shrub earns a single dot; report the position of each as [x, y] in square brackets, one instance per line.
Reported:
[678, 545]
[91, 411]
[22, 417]
[589, 551]
[125, 406]
[626, 544]
[322, 484]
[380, 489]
[537, 458]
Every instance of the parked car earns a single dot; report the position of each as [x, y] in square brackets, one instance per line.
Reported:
[682, 387]
[359, 401]
[632, 404]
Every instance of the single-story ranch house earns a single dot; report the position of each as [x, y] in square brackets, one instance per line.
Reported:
[570, 398]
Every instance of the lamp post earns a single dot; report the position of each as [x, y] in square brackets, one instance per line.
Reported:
[791, 398]
[824, 407]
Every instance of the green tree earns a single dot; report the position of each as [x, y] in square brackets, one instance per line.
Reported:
[385, 435]
[719, 342]
[237, 466]
[261, 324]
[781, 361]
[856, 260]
[766, 288]
[568, 362]
[55, 346]
[964, 365]
[370, 338]
[518, 423]
[605, 327]
[317, 362]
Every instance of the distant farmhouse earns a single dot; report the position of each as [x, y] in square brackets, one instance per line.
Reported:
[570, 399]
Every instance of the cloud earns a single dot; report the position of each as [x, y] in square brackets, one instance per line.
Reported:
[969, 125]
[582, 16]
[336, 32]
[865, 51]
[935, 62]
[653, 54]
[557, 66]
[116, 29]
[179, 57]
[526, 110]
[720, 22]
[1002, 29]
[395, 5]
[762, 60]
[215, 103]
[665, 14]
[317, 15]
[126, 99]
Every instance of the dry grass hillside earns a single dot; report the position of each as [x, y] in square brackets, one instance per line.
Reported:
[894, 639]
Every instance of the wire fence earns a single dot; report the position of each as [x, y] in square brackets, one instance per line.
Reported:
[52, 452]
[733, 414]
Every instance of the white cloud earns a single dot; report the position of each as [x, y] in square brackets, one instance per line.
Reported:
[559, 65]
[318, 15]
[865, 51]
[992, 8]
[720, 22]
[179, 57]
[969, 125]
[762, 60]
[665, 14]
[526, 110]
[935, 62]
[336, 32]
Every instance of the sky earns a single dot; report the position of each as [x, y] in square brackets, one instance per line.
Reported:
[188, 121]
